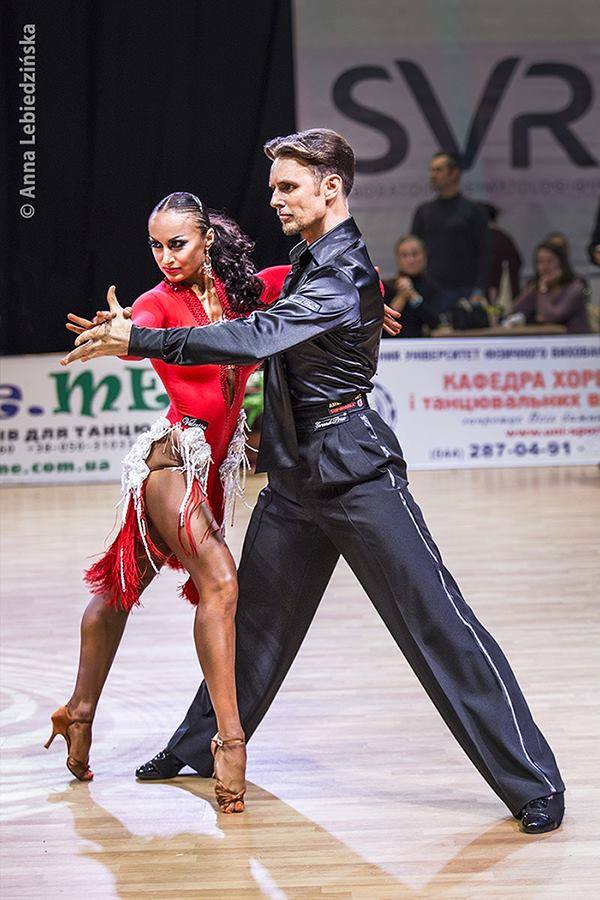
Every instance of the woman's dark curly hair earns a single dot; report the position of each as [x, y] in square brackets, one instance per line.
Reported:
[230, 252]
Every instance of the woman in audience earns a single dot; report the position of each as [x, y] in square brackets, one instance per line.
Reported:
[412, 291]
[555, 295]
[558, 239]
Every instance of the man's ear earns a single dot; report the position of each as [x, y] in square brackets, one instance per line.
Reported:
[332, 186]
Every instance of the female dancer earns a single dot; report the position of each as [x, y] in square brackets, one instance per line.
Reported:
[179, 483]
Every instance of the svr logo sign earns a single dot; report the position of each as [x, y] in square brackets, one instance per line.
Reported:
[557, 123]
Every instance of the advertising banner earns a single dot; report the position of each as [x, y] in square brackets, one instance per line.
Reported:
[511, 88]
[72, 424]
[476, 402]
[453, 403]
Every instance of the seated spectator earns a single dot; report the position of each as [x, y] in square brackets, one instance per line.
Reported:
[412, 291]
[555, 295]
[593, 250]
[502, 250]
[594, 244]
[558, 239]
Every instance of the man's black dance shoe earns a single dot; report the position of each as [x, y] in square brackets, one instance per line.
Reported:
[164, 765]
[543, 814]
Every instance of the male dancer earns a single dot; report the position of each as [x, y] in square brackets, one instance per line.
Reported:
[337, 485]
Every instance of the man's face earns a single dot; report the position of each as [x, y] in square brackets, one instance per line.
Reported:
[441, 175]
[297, 199]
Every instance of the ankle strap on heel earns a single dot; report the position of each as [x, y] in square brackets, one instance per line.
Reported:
[226, 743]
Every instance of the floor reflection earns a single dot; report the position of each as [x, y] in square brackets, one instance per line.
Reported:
[272, 851]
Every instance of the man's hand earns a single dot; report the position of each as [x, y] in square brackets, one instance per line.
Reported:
[109, 338]
[390, 320]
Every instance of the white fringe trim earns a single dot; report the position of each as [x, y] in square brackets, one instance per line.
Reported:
[196, 459]
[191, 443]
[234, 469]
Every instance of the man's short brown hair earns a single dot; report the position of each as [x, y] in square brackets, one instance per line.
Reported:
[452, 160]
[326, 152]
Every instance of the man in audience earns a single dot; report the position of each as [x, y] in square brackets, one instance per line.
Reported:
[455, 233]
[412, 291]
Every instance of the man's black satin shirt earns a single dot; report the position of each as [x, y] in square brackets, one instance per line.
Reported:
[320, 339]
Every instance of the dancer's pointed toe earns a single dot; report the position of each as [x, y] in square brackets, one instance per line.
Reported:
[543, 814]
[161, 767]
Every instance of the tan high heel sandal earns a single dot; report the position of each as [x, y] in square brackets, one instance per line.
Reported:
[61, 722]
[225, 796]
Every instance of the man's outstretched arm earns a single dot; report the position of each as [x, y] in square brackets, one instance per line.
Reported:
[320, 305]
[323, 303]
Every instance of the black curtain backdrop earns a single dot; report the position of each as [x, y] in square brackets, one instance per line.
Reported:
[132, 101]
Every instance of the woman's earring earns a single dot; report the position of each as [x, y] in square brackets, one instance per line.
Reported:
[208, 269]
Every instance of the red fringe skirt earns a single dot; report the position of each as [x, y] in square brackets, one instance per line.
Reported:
[120, 571]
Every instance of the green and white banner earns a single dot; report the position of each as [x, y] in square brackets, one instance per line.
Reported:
[454, 403]
[72, 424]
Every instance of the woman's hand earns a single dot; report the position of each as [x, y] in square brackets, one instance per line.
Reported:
[110, 337]
[391, 325]
[77, 324]
[405, 292]
[404, 287]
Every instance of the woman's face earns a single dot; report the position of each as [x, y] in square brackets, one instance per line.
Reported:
[178, 246]
[547, 264]
[410, 258]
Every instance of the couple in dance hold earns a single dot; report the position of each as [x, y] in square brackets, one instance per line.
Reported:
[337, 486]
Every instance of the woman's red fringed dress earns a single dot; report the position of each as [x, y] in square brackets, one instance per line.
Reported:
[206, 420]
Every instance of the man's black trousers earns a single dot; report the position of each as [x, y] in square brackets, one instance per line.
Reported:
[349, 496]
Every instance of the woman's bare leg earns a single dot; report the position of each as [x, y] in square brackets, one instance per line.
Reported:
[102, 627]
[213, 572]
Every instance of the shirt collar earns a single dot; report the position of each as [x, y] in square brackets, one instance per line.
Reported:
[330, 245]
[297, 255]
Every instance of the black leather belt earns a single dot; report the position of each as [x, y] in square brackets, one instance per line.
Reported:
[325, 415]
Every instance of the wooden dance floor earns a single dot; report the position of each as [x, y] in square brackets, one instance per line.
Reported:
[356, 787]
